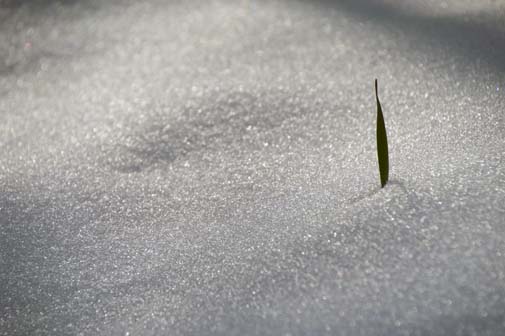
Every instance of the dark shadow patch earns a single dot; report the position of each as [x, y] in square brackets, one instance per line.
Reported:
[361, 197]
[467, 324]
[12, 4]
[39, 246]
[219, 121]
[27, 244]
[7, 69]
[19, 237]
[478, 37]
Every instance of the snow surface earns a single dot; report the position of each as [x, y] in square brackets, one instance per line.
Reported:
[209, 168]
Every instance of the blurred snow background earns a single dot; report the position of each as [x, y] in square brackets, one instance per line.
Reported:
[209, 167]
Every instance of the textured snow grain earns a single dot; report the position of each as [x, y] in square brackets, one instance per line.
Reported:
[209, 168]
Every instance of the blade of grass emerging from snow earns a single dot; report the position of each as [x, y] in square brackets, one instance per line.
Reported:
[382, 142]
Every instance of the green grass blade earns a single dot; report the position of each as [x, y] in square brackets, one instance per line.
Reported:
[382, 143]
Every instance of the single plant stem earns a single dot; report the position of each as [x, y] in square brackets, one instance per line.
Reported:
[382, 142]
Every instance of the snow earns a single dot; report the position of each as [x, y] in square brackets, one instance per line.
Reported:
[209, 167]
